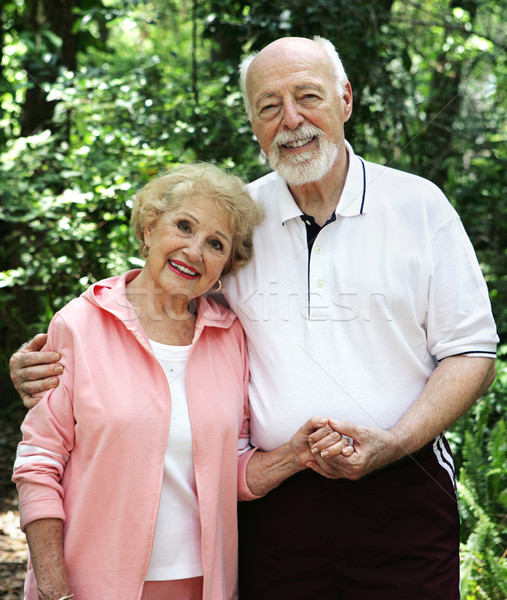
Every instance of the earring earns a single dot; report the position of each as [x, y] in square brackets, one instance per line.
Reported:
[218, 288]
[145, 251]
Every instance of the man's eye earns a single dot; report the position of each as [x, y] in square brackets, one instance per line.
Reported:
[268, 108]
[216, 245]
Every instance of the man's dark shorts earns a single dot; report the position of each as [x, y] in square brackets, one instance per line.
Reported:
[393, 535]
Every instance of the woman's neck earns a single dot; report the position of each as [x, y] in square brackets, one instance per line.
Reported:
[165, 318]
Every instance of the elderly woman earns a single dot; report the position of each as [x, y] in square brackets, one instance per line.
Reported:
[127, 472]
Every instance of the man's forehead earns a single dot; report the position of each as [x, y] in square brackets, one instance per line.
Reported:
[293, 57]
[290, 47]
[278, 78]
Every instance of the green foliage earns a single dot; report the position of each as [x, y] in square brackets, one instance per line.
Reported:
[127, 113]
[64, 219]
[479, 442]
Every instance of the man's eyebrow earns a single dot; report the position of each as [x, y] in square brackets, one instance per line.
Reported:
[310, 86]
[264, 97]
[304, 86]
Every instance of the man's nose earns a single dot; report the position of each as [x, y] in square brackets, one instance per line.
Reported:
[292, 117]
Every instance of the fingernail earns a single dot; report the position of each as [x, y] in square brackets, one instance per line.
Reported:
[53, 382]
[315, 450]
[58, 370]
[55, 357]
[324, 453]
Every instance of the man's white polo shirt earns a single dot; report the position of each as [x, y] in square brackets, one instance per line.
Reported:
[354, 331]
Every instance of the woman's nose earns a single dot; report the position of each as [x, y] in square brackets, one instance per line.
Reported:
[194, 249]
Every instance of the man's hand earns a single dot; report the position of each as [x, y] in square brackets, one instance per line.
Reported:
[450, 391]
[34, 372]
[336, 459]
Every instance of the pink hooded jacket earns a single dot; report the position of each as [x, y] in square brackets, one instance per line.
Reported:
[93, 449]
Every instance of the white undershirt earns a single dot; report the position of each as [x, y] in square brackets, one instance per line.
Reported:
[176, 550]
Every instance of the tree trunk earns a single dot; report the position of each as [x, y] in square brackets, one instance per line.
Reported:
[43, 64]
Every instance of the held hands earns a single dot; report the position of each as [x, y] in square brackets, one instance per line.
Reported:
[324, 446]
[335, 458]
[33, 372]
[301, 446]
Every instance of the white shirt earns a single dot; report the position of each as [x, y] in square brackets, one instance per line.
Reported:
[176, 550]
[391, 287]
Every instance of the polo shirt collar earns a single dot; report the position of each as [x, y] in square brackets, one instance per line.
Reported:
[352, 201]
[287, 207]
[354, 195]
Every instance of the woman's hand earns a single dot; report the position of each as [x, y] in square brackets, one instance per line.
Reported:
[328, 442]
[45, 540]
[34, 372]
[267, 470]
[300, 443]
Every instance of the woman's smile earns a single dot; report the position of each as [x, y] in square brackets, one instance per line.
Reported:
[182, 269]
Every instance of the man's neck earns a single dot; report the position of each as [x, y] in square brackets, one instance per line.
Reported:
[320, 198]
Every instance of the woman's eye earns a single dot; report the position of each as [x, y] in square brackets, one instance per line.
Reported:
[216, 245]
[183, 226]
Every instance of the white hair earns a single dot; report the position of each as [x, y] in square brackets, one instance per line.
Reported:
[328, 48]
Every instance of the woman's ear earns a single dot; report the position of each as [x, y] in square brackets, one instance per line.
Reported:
[147, 235]
[227, 267]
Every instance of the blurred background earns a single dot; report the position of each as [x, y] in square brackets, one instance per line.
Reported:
[97, 96]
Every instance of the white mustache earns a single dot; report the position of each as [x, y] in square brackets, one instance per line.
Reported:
[302, 133]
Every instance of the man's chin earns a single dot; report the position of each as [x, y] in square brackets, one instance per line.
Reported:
[295, 171]
[299, 174]
[305, 168]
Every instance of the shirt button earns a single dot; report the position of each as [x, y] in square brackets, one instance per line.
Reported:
[320, 283]
[318, 249]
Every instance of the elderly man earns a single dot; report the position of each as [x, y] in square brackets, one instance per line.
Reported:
[365, 305]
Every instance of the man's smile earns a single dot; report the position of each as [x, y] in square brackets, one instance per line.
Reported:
[298, 143]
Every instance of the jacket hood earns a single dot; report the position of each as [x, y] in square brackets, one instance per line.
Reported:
[110, 295]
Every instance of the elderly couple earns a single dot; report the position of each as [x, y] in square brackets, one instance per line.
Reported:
[361, 330]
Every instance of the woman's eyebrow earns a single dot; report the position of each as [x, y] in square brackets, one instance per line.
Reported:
[194, 218]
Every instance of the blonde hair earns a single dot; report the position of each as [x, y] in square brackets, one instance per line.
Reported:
[167, 191]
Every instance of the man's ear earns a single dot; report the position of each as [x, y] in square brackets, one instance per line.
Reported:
[347, 102]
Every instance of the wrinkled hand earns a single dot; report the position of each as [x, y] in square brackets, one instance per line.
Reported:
[335, 459]
[300, 445]
[268, 469]
[33, 372]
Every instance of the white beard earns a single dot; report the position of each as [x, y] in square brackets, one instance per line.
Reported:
[300, 169]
